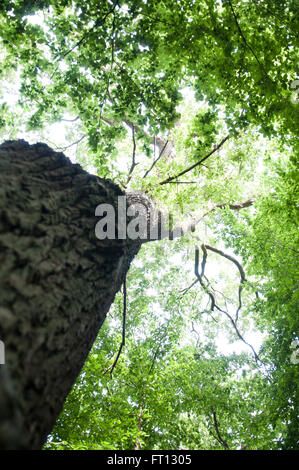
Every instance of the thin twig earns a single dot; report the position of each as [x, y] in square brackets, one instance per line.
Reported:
[204, 259]
[238, 332]
[216, 426]
[241, 271]
[235, 206]
[123, 331]
[217, 147]
[85, 35]
[197, 334]
[230, 258]
[111, 63]
[160, 143]
[157, 159]
[212, 297]
[158, 349]
[71, 145]
[71, 120]
[186, 289]
[199, 277]
[183, 182]
[246, 43]
[133, 157]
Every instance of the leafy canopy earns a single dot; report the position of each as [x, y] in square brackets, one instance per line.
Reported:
[194, 102]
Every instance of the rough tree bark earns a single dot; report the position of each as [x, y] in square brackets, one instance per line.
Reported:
[57, 282]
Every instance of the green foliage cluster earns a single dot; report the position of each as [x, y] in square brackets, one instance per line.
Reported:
[268, 243]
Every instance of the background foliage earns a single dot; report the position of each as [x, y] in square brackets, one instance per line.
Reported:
[140, 92]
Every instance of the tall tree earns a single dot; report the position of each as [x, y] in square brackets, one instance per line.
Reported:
[58, 281]
[112, 67]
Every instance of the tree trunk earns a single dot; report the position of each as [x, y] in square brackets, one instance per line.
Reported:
[57, 282]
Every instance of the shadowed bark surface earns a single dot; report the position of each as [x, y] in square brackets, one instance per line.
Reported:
[57, 282]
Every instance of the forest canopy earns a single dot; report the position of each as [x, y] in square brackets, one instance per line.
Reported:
[195, 103]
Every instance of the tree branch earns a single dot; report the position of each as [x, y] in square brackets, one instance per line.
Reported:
[238, 332]
[134, 164]
[186, 289]
[216, 426]
[161, 143]
[71, 145]
[71, 120]
[217, 147]
[241, 271]
[246, 43]
[156, 161]
[237, 206]
[230, 258]
[111, 368]
[183, 182]
[158, 349]
[97, 23]
[85, 35]
[199, 277]
[212, 297]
